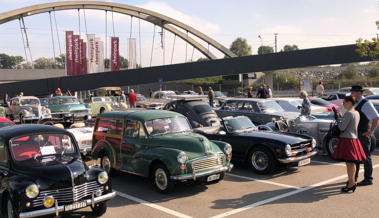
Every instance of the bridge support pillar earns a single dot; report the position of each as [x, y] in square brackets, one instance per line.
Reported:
[269, 81]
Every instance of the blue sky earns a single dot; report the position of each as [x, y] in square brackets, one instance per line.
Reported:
[308, 24]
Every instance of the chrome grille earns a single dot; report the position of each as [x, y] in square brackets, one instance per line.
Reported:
[207, 164]
[301, 145]
[68, 195]
[36, 113]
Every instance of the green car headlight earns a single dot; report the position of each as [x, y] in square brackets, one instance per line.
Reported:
[32, 191]
[228, 149]
[182, 157]
[102, 177]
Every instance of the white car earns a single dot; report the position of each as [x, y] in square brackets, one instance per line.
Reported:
[290, 104]
[83, 136]
[368, 90]
[333, 97]
[162, 96]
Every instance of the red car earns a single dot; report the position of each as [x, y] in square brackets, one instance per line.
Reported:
[5, 122]
[323, 103]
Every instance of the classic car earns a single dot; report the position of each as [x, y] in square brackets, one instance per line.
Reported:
[42, 173]
[322, 103]
[108, 91]
[68, 107]
[291, 104]
[195, 109]
[162, 96]
[142, 102]
[160, 145]
[100, 105]
[261, 149]
[44, 101]
[189, 92]
[333, 97]
[4, 122]
[260, 111]
[368, 90]
[83, 136]
[27, 108]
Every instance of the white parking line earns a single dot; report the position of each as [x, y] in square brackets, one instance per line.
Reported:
[149, 204]
[263, 181]
[282, 196]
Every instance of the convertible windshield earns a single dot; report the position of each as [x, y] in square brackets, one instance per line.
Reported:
[269, 106]
[239, 124]
[167, 125]
[102, 99]
[29, 101]
[30, 146]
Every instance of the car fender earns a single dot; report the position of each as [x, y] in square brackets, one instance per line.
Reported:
[16, 190]
[219, 144]
[165, 155]
[252, 146]
[103, 146]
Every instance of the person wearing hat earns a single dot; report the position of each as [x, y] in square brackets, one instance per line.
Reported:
[132, 98]
[368, 122]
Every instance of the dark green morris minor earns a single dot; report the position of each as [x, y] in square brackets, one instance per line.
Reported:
[160, 145]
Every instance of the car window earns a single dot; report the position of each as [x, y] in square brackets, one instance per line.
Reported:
[269, 106]
[14, 102]
[3, 154]
[219, 94]
[341, 96]
[375, 91]
[296, 103]
[229, 106]
[31, 101]
[53, 101]
[181, 109]
[203, 109]
[167, 125]
[156, 96]
[134, 129]
[318, 101]
[141, 98]
[110, 126]
[244, 106]
[327, 97]
[44, 101]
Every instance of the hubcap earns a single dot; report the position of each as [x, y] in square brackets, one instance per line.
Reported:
[332, 145]
[161, 179]
[106, 164]
[10, 209]
[259, 160]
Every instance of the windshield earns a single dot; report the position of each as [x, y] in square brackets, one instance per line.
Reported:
[102, 99]
[219, 94]
[30, 146]
[269, 106]
[203, 109]
[327, 97]
[167, 125]
[296, 102]
[318, 101]
[44, 101]
[375, 91]
[141, 98]
[67, 100]
[31, 101]
[239, 124]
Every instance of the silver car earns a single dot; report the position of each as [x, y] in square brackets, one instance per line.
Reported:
[27, 108]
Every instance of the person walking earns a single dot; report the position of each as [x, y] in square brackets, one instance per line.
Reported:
[250, 93]
[269, 92]
[132, 98]
[305, 108]
[320, 89]
[368, 122]
[200, 90]
[123, 97]
[349, 148]
[211, 96]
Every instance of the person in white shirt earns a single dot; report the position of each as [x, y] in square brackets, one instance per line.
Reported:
[269, 91]
[320, 89]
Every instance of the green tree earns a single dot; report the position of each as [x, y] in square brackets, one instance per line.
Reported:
[374, 72]
[10, 62]
[265, 49]
[44, 63]
[290, 48]
[367, 48]
[240, 47]
[106, 63]
[60, 62]
[351, 72]
[124, 63]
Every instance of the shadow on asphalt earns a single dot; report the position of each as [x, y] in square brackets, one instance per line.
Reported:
[313, 195]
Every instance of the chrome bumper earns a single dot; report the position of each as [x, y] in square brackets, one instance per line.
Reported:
[85, 150]
[36, 118]
[57, 209]
[201, 174]
[295, 159]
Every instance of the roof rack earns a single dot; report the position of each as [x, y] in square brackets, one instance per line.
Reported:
[187, 97]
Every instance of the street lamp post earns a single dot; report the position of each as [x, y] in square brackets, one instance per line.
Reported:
[261, 43]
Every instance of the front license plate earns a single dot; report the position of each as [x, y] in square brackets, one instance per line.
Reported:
[304, 162]
[76, 205]
[213, 177]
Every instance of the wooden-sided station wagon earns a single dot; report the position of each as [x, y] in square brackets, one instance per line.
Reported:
[160, 145]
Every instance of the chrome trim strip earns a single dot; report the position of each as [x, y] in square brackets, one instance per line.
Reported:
[295, 159]
[196, 175]
[57, 209]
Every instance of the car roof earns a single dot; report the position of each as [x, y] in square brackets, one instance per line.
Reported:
[139, 115]
[62, 97]
[28, 129]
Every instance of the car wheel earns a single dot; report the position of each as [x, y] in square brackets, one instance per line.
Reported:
[331, 145]
[373, 143]
[162, 180]
[261, 160]
[102, 110]
[22, 120]
[11, 212]
[106, 165]
[99, 209]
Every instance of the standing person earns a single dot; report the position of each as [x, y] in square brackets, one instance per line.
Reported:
[269, 91]
[7, 100]
[259, 89]
[21, 94]
[132, 98]
[365, 85]
[368, 115]
[200, 90]
[176, 92]
[250, 93]
[123, 97]
[263, 92]
[349, 149]
[211, 96]
[320, 89]
[150, 92]
[305, 105]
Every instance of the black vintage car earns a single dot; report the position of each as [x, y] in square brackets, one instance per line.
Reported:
[42, 173]
[259, 148]
[195, 109]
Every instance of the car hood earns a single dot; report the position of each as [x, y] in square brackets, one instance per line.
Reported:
[55, 174]
[288, 138]
[76, 106]
[193, 144]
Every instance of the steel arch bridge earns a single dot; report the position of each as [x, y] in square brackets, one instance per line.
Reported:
[176, 27]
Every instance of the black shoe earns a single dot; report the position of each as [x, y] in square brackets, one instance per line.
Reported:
[346, 189]
[364, 183]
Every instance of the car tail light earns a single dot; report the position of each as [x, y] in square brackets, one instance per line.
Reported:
[329, 109]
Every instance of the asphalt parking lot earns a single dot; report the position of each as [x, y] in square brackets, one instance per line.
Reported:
[309, 191]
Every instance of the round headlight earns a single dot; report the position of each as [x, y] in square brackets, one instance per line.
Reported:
[288, 150]
[32, 191]
[43, 108]
[314, 143]
[48, 201]
[102, 177]
[182, 157]
[228, 149]
[30, 109]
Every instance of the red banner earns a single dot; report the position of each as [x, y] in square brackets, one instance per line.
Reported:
[76, 40]
[80, 56]
[115, 54]
[69, 53]
[84, 58]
